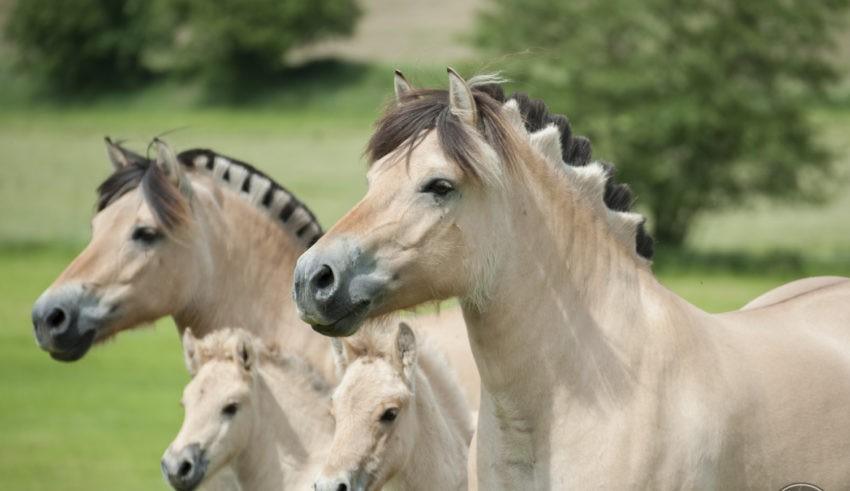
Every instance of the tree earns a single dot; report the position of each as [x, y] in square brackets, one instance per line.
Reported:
[81, 44]
[703, 104]
[233, 40]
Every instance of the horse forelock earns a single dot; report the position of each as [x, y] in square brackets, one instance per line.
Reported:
[405, 123]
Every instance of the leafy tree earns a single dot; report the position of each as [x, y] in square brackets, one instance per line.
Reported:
[233, 40]
[702, 103]
[81, 44]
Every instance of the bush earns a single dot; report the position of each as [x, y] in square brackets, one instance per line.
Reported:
[703, 104]
[233, 40]
[81, 44]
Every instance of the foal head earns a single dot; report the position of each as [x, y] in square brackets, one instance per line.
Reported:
[220, 406]
[141, 262]
[374, 409]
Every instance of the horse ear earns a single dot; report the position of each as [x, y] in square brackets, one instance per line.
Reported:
[401, 85]
[190, 342]
[461, 101]
[166, 160]
[120, 156]
[246, 355]
[340, 356]
[405, 342]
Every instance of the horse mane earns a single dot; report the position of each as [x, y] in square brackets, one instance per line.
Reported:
[405, 124]
[220, 345]
[169, 207]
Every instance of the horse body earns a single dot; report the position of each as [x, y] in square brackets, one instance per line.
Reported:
[593, 374]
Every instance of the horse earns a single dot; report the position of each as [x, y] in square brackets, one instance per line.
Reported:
[252, 409]
[207, 239]
[593, 374]
[401, 419]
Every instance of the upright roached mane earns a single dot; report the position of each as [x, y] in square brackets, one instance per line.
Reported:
[170, 208]
[418, 110]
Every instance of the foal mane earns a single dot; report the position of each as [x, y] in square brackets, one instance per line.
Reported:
[405, 124]
[170, 208]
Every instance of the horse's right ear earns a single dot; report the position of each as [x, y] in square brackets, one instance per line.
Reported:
[120, 156]
[401, 85]
[340, 356]
[166, 160]
[190, 342]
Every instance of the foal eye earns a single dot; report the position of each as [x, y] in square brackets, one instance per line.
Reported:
[230, 409]
[438, 187]
[389, 415]
[146, 235]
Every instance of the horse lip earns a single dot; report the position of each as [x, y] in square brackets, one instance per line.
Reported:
[346, 325]
[77, 351]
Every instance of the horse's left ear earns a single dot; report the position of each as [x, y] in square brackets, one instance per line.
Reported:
[167, 162]
[246, 355]
[190, 343]
[461, 101]
[406, 345]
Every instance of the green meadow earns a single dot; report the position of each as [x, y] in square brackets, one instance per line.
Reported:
[103, 422]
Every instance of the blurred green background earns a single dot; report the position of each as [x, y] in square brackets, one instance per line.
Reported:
[298, 102]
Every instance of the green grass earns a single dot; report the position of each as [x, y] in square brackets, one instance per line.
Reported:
[103, 423]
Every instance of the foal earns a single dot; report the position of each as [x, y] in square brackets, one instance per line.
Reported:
[401, 420]
[263, 415]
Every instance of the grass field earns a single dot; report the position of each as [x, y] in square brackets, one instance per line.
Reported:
[103, 423]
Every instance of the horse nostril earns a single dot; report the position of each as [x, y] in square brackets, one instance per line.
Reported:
[185, 469]
[56, 318]
[324, 278]
[342, 487]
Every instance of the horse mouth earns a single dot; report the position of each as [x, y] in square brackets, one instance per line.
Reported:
[346, 325]
[77, 351]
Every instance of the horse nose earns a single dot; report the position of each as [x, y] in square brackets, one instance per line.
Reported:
[323, 283]
[335, 484]
[52, 319]
[184, 470]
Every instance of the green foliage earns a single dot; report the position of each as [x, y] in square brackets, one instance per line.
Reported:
[233, 40]
[701, 103]
[81, 44]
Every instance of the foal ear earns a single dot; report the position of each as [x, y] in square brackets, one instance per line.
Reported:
[401, 85]
[246, 355]
[340, 356]
[167, 162]
[461, 101]
[405, 342]
[120, 156]
[190, 342]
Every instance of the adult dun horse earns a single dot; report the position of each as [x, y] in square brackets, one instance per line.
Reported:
[206, 239]
[593, 374]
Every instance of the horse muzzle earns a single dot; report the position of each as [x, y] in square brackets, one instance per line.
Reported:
[336, 288]
[65, 322]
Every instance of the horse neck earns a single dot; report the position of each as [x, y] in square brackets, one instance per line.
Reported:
[442, 431]
[574, 307]
[292, 428]
[248, 280]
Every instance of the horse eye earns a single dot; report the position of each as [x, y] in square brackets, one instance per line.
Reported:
[389, 415]
[146, 235]
[438, 187]
[230, 409]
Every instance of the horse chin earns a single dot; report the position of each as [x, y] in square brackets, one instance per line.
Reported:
[347, 325]
[76, 351]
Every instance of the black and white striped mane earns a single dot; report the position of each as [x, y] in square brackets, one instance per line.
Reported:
[254, 185]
